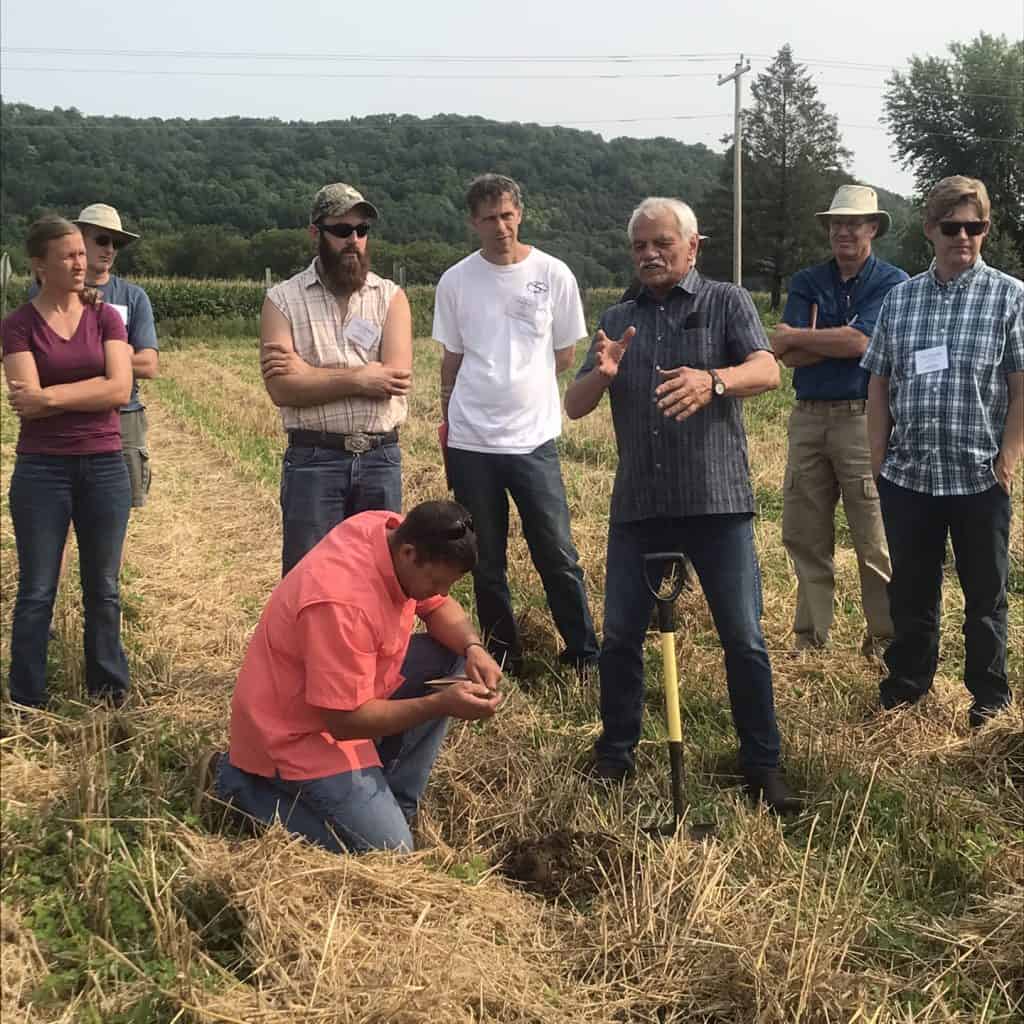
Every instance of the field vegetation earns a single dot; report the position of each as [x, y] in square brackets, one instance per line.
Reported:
[896, 897]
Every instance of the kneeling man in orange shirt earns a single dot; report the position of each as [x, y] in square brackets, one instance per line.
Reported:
[334, 728]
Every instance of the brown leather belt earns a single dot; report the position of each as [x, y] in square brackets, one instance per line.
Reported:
[354, 443]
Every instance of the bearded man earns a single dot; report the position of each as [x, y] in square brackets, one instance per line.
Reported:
[336, 358]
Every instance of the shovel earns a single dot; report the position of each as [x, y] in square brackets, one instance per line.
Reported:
[674, 565]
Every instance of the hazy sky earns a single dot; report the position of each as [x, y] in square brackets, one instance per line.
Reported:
[297, 61]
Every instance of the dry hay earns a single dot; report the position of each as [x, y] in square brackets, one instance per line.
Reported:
[22, 970]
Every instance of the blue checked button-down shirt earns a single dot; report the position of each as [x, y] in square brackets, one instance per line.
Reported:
[698, 466]
[948, 423]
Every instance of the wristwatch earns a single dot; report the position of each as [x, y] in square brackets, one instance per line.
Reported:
[717, 384]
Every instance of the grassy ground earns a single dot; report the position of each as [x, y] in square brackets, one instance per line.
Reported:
[896, 897]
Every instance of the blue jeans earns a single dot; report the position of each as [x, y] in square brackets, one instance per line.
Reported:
[721, 548]
[365, 809]
[482, 482]
[322, 486]
[48, 492]
[916, 526]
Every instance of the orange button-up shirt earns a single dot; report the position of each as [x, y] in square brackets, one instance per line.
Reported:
[333, 635]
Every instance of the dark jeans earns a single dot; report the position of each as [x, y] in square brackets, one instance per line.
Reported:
[365, 809]
[721, 548]
[916, 526]
[322, 486]
[482, 482]
[48, 492]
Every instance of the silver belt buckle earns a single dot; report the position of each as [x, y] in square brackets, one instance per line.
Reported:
[358, 443]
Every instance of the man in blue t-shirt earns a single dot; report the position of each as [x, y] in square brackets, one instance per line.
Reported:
[104, 236]
[829, 316]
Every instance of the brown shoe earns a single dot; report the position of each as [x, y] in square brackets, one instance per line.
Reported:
[767, 786]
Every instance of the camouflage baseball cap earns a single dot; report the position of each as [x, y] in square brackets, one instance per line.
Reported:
[336, 200]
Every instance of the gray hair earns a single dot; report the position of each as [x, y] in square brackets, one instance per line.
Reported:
[654, 206]
[490, 188]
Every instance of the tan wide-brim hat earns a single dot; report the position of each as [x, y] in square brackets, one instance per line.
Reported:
[856, 201]
[99, 215]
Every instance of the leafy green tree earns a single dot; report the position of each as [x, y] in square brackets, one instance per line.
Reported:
[965, 115]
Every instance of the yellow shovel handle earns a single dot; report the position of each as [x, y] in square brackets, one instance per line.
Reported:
[671, 678]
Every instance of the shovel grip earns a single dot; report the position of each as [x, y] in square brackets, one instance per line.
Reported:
[665, 560]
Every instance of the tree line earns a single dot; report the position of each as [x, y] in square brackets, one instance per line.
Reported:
[229, 197]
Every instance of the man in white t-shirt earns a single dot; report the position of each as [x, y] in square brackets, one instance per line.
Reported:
[509, 317]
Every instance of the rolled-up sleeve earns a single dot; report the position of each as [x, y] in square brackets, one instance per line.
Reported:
[340, 649]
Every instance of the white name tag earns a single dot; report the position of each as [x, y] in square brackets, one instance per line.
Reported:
[122, 312]
[929, 360]
[362, 333]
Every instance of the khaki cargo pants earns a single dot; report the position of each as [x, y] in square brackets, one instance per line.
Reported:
[134, 443]
[829, 456]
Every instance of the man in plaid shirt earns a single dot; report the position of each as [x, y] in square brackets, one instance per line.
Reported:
[946, 427]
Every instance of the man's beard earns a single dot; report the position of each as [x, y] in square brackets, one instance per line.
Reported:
[342, 273]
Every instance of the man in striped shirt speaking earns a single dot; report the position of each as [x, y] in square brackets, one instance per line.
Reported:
[676, 362]
[946, 427]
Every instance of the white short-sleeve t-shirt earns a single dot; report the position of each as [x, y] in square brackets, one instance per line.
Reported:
[507, 322]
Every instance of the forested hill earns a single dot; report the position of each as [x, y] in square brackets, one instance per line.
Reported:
[252, 178]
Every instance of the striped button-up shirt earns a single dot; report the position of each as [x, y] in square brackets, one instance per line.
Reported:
[948, 406]
[324, 335]
[698, 466]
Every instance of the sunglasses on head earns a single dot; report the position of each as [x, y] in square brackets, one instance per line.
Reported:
[951, 228]
[104, 240]
[459, 529]
[344, 230]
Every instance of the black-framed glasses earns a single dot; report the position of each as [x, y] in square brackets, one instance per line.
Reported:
[344, 230]
[460, 528]
[104, 240]
[951, 228]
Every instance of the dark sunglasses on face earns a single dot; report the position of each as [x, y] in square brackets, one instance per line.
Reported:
[951, 228]
[344, 230]
[104, 240]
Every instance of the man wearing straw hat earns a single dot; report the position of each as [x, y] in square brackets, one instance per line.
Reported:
[104, 236]
[829, 316]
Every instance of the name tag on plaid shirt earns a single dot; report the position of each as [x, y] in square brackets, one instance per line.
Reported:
[930, 360]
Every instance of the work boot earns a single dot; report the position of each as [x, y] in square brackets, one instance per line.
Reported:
[604, 769]
[767, 786]
[982, 713]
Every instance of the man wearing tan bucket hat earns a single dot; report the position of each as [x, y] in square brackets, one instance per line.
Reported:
[830, 314]
[104, 236]
[336, 357]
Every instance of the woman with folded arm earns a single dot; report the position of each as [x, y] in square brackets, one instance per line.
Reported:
[68, 366]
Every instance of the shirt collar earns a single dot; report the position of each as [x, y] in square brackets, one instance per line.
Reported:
[964, 278]
[862, 275]
[688, 283]
[385, 566]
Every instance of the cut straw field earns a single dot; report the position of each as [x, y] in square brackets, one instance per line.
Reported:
[896, 897]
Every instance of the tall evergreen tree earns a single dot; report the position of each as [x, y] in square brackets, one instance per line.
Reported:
[793, 160]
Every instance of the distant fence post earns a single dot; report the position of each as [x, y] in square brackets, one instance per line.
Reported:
[5, 276]
[267, 279]
[398, 273]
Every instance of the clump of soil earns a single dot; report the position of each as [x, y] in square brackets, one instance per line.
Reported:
[562, 864]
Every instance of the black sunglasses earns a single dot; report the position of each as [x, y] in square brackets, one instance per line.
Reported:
[951, 228]
[344, 230]
[459, 529]
[104, 240]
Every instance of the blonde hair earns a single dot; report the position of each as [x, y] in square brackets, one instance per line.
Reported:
[946, 195]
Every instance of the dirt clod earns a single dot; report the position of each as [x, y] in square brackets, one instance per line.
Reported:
[562, 864]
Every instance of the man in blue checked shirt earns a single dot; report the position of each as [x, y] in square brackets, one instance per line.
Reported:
[946, 426]
[829, 316]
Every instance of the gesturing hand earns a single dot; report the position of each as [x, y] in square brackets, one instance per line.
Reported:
[684, 391]
[608, 353]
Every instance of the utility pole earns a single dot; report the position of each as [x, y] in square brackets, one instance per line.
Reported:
[737, 171]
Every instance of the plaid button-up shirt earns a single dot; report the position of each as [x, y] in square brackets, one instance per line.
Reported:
[323, 335]
[948, 423]
[697, 466]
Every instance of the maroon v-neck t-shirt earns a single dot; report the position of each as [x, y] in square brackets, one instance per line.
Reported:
[66, 361]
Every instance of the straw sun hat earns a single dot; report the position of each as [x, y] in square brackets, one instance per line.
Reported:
[856, 201]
